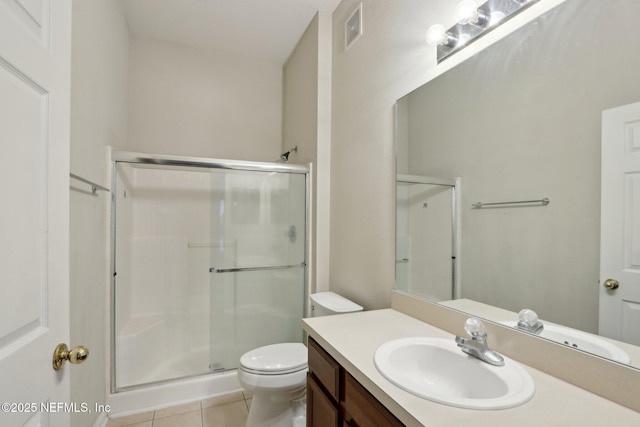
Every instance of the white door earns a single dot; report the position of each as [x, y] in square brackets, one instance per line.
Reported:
[620, 224]
[34, 209]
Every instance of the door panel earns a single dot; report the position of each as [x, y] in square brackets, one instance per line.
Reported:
[23, 108]
[34, 183]
[620, 224]
[257, 285]
[34, 15]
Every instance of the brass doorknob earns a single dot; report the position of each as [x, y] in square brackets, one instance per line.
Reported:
[62, 353]
[611, 284]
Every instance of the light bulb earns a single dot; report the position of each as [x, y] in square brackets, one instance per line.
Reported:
[496, 17]
[467, 12]
[437, 35]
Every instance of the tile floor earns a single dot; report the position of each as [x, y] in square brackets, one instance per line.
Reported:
[225, 411]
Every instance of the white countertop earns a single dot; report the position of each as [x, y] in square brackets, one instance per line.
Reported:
[352, 340]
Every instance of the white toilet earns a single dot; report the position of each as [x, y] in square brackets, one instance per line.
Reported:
[277, 374]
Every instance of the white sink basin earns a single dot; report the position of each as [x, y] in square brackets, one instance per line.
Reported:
[437, 370]
[582, 341]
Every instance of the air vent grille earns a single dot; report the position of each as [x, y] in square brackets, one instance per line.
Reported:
[353, 27]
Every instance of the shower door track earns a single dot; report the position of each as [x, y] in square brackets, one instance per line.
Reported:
[203, 162]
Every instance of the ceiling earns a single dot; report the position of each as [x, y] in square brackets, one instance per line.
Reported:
[261, 29]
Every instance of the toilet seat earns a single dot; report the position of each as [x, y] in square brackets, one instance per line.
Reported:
[275, 359]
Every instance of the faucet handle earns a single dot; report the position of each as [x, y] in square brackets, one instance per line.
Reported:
[529, 317]
[475, 327]
[528, 321]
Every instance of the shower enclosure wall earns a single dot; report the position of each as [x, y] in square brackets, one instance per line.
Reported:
[209, 261]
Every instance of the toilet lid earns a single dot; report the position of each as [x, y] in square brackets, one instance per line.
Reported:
[334, 302]
[275, 359]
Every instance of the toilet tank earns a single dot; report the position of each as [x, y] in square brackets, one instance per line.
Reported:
[328, 303]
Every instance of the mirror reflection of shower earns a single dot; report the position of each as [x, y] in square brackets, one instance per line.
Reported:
[206, 266]
[426, 230]
[285, 156]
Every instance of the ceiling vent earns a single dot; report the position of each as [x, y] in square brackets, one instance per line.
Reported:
[353, 27]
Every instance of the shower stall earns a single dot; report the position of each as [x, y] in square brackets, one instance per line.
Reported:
[208, 262]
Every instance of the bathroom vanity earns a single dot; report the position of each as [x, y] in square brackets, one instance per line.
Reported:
[344, 383]
[335, 398]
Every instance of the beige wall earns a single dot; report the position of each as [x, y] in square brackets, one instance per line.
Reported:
[300, 97]
[306, 123]
[300, 113]
[98, 118]
[387, 62]
[203, 103]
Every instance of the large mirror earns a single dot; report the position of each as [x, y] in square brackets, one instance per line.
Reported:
[523, 121]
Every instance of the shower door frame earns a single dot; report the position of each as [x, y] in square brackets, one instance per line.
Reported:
[197, 162]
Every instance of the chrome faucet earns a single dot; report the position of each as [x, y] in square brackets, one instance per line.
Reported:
[528, 322]
[476, 346]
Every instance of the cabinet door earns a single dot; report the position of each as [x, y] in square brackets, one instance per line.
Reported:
[364, 410]
[321, 411]
[324, 368]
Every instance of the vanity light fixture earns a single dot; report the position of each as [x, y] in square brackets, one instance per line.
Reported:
[473, 22]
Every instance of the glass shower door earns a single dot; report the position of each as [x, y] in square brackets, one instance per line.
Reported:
[257, 269]
[160, 279]
[175, 218]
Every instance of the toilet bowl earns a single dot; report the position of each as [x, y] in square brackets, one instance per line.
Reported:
[277, 374]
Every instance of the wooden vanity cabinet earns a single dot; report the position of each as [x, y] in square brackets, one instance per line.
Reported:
[323, 388]
[336, 399]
